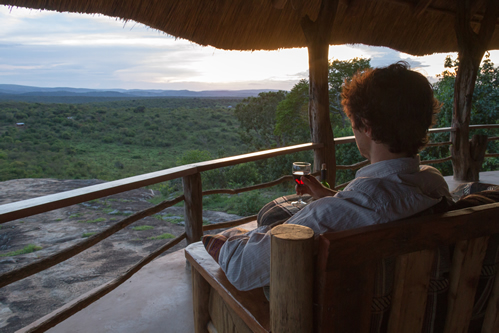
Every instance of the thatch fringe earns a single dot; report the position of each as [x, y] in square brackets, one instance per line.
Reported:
[416, 28]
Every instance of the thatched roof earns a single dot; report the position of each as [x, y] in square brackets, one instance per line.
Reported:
[416, 27]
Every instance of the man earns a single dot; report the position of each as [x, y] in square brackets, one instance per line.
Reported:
[390, 110]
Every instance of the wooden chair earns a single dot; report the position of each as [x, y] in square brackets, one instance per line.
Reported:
[326, 284]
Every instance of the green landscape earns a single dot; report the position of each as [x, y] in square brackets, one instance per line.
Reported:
[114, 139]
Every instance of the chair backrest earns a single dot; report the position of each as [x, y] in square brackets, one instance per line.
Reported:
[349, 266]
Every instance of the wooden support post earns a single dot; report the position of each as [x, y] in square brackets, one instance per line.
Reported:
[193, 207]
[318, 35]
[472, 47]
[478, 146]
[291, 278]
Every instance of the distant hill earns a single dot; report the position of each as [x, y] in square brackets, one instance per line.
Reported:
[38, 94]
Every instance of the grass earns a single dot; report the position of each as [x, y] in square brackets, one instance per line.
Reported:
[100, 219]
[74, 216]
[88, 234]
[175, 220]
[162, 236]
[27, 249]
[143, 227]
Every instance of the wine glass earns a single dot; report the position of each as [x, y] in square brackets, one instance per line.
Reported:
[300, 169]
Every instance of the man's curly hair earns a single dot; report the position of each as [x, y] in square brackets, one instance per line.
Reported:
[395, 102]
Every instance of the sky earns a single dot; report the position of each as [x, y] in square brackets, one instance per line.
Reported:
[49, 49]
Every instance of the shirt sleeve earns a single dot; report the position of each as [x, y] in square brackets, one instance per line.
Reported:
[246, 260]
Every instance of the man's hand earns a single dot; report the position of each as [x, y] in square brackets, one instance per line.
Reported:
[313, 187]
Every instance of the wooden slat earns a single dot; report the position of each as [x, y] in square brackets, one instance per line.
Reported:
[200, 302]
[251, 306]
[259, 155]
[369, 243]
[343, 295]
[491, 319]
[69, 309]
[464, 275]
[41, 265]
[20, 209]
[348, 307]
[224, 319]
[412, 278]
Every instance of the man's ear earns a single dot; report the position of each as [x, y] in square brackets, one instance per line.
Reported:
[368, 132]
[367, 129]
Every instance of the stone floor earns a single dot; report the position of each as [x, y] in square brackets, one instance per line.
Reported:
[157, 298]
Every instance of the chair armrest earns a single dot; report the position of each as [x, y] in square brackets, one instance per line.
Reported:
[251, 306]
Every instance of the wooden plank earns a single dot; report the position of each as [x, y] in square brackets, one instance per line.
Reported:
[410, 291]
[200, 302]
[251, 306]
[342, 296]
[464, 275]
[259, 155]
[20, 209]
[224, 318]
[369, 243]
[347, 305]
[491, 319]
[291, 278]
[193, 207]
[40, 265]
[69, 309]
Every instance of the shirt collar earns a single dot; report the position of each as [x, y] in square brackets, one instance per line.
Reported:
[389, 167]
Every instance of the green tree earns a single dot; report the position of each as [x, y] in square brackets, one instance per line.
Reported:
[295, 106]
[257, 118]
[292, 115]
[339, 71]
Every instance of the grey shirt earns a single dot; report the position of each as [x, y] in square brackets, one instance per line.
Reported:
[385, 191]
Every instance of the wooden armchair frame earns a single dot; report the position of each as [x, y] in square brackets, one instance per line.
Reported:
[326, 284]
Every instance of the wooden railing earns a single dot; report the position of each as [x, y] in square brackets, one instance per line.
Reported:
[192, 198]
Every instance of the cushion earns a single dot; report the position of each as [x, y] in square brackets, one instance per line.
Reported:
[279, 210]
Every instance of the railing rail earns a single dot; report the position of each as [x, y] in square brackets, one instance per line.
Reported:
[29, 207]
[192, 195]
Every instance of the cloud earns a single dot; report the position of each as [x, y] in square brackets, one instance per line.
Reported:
[42, 48]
